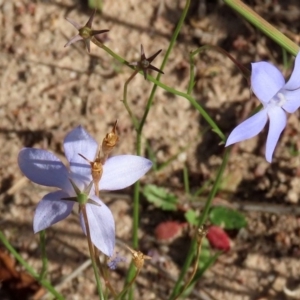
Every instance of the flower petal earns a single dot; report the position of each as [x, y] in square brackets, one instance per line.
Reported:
[102, 226]
[73, 40]
[87, 44]
[249, 128]
[43, 167]
[74, 23]
[277, 118]
[51, 210]
[90, 20]
[292, 100]
[78, 141]
[122, 171]
[294, 81]
[266, 81]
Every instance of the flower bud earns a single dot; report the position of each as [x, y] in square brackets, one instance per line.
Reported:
[110, 141]
[96, 171]
[138, 258]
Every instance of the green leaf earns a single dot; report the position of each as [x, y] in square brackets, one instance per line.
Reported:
[160, 197]
[191, 217]
[227, 218]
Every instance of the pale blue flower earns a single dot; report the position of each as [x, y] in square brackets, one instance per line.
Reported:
[44, 168]
[277, 98]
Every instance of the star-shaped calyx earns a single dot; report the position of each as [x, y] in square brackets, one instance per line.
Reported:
[85, 32]
[145, 63]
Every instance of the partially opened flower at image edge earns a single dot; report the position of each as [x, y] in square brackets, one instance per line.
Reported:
[277, 98]
[44, 168]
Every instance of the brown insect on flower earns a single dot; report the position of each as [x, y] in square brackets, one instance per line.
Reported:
[110, 141]
[145, 63]
[96, 171]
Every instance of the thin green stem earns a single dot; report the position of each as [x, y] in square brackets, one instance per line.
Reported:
[132, 117]
[139, 134]
[199, 240]
[156, 82]
[186, 180]
[201, 189]
[194, 103]
[46, 284]
[130, 275]
[263, 25]
[215, 187]
[44, 254]
[128, 285]
[150, 101]
[202, 220]
[166, 57]
[136, 194]
[103, 271]
[188, 97]
[91, 249]
[192, 74]
[206, 266]
[111, 53]
[285, 58]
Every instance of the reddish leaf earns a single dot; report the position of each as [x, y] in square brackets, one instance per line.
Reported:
[218, 238]
[168, 231]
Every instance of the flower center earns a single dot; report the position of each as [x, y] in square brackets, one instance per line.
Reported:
[278, 100]
[85, 32]
[145, 63]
